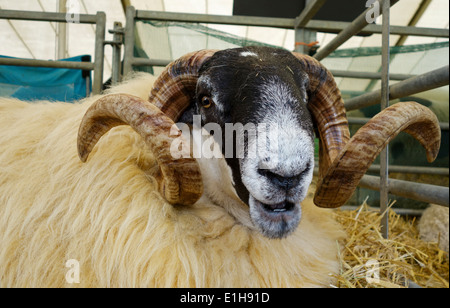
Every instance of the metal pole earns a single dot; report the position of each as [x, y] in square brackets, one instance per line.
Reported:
[61, 33]
[129, 41]
[44, 16]
[125, 4]
[416, 191]
[311, 9]
[415, 19]
[304, 36]
[117, 52]
[337, 26]
[100, 32]
[368, 75]
[364, 121]
[402, 212]
[149, 62]
[88, 85]
[284, 23]
[353, 29]
[413, 170]
[428, 81]
[384, 155]
[43, 63]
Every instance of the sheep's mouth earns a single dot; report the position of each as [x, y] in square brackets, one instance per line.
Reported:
[279, 207]
[276, 220]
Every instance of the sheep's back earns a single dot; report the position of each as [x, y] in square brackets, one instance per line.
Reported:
[53, 207]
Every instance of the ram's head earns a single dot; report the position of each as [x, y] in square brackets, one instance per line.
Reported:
[291, 92]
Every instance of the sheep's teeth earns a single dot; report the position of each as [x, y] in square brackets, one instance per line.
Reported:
[279, 210]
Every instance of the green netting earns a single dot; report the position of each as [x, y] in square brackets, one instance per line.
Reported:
[170, 40]
[210, 32]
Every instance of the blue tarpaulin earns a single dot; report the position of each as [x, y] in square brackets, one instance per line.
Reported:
[38, 83]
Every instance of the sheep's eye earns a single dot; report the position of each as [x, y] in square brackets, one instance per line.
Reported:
[206, 102]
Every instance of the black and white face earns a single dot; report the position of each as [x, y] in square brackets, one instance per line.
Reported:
[261, 94]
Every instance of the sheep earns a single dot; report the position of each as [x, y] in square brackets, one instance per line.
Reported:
[131, 215]
[434, 226]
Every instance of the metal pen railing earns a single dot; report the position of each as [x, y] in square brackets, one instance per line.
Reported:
[97, 66]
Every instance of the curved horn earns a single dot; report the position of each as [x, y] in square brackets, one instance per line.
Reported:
[343, 162]
[174, 89]
[339, 183]
[172, 93]
[328, 111]
[181, 181]
[327, 107]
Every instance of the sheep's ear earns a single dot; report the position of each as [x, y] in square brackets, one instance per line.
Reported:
[180, 181]
[344, 161]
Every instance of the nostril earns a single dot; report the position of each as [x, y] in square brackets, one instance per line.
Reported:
[281, 181]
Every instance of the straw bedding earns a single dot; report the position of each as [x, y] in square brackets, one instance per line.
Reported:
[368, 260]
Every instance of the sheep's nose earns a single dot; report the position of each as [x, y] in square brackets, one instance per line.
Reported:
[280, 180]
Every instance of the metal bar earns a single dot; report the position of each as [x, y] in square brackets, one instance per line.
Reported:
[88, 85]
[363, 121]
[61, 33]
[414, 20]
[304, 36]
[338, 26]
[100, 31]
[336, 73]
[368, 75]
[413, 31]
[285, 23]
[353, 29]
[412, 170]
[398, 211]
[117, 52]
[149, 62]
[129, 41]
[384, 155]
[409, 170]
[416, 191]
[308, 13]
[428, 81]
[44, 63]
[44, 16]
[125, 4]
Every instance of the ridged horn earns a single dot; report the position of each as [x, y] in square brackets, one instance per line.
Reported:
[328, 111]
[181, 181]
[343, 176]
[344, 161]
[174, 89]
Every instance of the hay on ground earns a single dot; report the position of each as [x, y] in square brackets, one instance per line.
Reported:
[368, 260]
